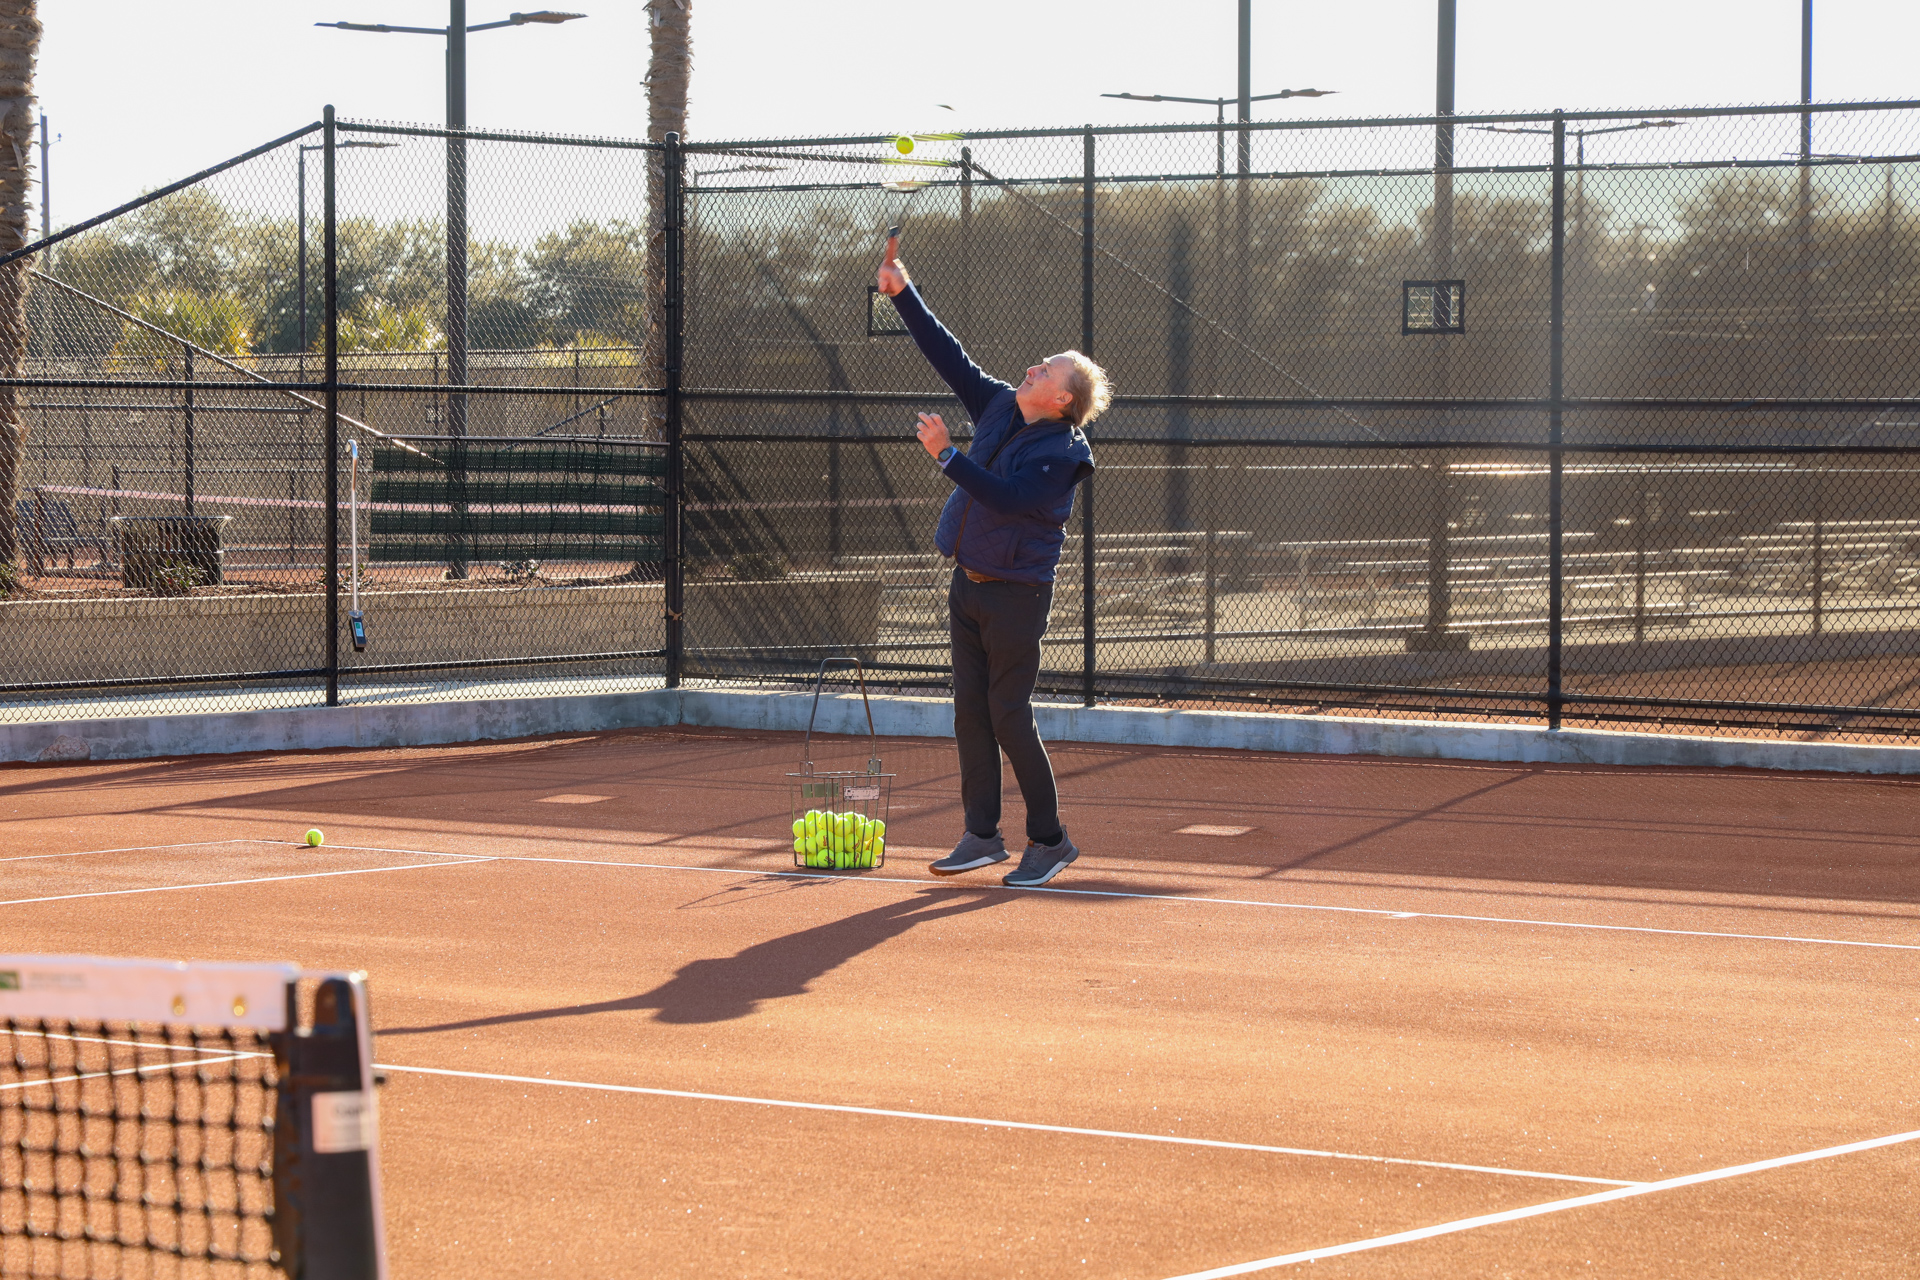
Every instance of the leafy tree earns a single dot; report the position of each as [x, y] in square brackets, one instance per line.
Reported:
[378, 325]
[592, 277]
[217, 324]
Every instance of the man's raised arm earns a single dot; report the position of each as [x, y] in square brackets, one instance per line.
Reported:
[942, 350]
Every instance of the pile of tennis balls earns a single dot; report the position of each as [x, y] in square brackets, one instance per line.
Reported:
[839, 840]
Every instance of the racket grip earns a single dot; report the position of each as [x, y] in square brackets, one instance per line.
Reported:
[893, 233]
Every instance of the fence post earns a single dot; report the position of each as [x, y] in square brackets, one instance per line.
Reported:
[1819, 562]
[1089, 656]
[1556, 326]
[1640, 563]
[966, 235]
[186, 409]
[330, 286]
[674, 587]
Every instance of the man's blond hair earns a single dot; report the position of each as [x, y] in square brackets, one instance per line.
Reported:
[1092, 393]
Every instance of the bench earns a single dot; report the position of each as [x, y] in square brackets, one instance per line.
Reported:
[516, 500]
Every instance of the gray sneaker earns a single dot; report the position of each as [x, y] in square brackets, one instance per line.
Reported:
[972, 853]
[1041, 863]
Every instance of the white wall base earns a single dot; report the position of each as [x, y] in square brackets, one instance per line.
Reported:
[427, 723]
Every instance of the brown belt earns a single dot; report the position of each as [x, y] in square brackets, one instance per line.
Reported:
[979, 577]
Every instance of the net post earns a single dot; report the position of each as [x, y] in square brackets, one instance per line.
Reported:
[1556, 391]
[1089, 658]
[327, 1212]
[674, 584]
[330, 285]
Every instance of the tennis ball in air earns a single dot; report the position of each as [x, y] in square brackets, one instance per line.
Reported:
[315, 838]
[903, 144]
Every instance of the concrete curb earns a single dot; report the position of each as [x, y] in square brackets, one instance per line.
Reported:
[405, 724]
[429, 723]
[1319, 735]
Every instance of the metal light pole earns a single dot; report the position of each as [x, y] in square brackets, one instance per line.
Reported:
[1434, 635]
[46, 190]
[1806, 77]
[1803, 267]
[455, 33]
[1246, 82]
[1580, 137]
[1220, 117]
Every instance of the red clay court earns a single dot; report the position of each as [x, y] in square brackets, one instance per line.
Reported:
[1549, 1020]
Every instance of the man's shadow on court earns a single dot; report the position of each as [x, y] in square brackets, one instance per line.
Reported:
[734, 987]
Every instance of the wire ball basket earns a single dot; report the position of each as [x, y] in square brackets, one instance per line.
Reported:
[840, 815]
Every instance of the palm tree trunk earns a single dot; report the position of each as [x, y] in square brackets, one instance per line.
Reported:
[667, 76]
[19, 45]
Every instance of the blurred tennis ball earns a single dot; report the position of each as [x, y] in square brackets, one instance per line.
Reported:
[799, 826]
[315, 838]
[903, 144]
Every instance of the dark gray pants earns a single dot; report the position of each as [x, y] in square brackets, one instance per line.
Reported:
[996, 658]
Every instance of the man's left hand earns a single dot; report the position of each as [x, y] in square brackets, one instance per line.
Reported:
[933, 434]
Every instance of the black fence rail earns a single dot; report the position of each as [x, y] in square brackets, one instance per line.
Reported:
[1605, 417]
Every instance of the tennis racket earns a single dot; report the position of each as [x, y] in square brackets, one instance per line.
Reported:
[905, 189]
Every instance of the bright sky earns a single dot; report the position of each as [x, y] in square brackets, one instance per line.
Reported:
[144, 92]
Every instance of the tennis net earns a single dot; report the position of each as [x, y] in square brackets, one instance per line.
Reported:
[173, 1119]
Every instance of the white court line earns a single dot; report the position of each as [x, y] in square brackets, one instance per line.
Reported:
[1552, 1206]
[124, 1071]
[222, 884]
[137, 848]
[994, 1124]
[1389, 912]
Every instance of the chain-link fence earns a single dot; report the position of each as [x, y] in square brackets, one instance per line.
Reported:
[1596, 417]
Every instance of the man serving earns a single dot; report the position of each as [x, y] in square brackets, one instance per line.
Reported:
[1003, 525]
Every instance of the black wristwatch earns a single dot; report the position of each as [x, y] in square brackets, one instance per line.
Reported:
[945, 455]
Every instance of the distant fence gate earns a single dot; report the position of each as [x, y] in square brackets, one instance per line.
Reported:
[1598, 417]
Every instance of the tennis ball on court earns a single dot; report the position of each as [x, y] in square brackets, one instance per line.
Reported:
[879, 827]
[799, 826]
[799, 845]
[315, 838]
[903, 144]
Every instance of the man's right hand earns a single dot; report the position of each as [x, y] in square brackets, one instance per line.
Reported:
[893, 273]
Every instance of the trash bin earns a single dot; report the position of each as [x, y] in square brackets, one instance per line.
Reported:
[151, 543]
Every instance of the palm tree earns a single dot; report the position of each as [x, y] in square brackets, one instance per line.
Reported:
[19, 45]
[667, 76]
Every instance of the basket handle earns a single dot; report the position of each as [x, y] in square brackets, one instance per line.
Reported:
[873, 739]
